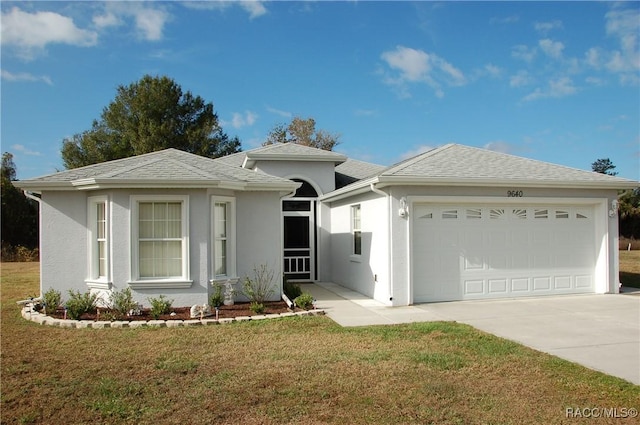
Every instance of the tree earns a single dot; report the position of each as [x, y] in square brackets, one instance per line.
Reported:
[19, 215]
[149, 115]
[303, 132]
[604, 166]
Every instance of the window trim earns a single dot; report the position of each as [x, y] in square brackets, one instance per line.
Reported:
[136, 282]
[231, 272]
[356, 256]
[94, 280]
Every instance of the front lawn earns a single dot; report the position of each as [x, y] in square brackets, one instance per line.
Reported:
[305, 370]
[630, 268]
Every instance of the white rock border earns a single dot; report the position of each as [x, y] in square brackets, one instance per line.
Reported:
[42, 319]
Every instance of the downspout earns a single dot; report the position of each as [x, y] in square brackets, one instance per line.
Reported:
[374, 189]
[38, 199]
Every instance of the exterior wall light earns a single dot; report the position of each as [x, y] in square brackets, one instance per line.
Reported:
[614, 208]
[403, 211]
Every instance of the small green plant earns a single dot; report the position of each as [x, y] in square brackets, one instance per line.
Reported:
[304, 301]
[79, 304]
[216, 299]
[122, 302]
[110, 316]
[291, 290]
[257, 308]
[52, 299]
[160, 306]
[260, 287]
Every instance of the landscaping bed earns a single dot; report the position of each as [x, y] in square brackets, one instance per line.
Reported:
[183, 313]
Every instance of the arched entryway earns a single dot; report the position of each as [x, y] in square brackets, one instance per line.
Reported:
[299, 239]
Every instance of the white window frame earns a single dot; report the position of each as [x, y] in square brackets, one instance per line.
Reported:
[355, 256]
[183, 281]
[231, 273]
[94, 279]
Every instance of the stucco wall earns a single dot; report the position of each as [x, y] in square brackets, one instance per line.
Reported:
[64, 244]
[368, 274]
[259, 235]
[320, 173]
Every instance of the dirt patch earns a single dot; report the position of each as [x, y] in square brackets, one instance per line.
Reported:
[184, 313]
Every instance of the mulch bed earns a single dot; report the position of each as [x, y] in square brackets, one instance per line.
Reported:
[184, 313]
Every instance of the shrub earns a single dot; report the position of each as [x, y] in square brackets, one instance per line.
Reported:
[216, 299]
[304, 301]
[159, 306]
[122, 302]
[291, 290]
[51, 299]
[79, 304]
[260, 287]
[257, 308]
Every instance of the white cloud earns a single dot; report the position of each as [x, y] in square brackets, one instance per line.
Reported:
[416, 151]
[365, 112]
[524, 53]
[545, 27]
[254, 8]
[240, 120]
[557, 88]
[284, 114]
[32, 32]
[551, 48]
[25, 77]
[418, 66]
[506, 20]
[106, 20]
[25, 150]
[148, 18]
[624, 24]
[520, 79]
[150, 23]
[500, 146]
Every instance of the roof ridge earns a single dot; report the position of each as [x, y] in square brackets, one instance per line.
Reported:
[412, 160]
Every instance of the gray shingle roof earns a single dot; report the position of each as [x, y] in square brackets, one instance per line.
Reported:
[462, 163]
[294, 151]
[162, 166]
[353, 170]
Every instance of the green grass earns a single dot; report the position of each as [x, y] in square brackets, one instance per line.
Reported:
[630, 268]
[305, 370]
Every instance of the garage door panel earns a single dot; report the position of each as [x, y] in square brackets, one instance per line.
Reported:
[471, 252]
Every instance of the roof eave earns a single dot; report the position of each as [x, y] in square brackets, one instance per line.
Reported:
[487, 182]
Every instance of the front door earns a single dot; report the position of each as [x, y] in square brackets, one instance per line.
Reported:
[298, 246]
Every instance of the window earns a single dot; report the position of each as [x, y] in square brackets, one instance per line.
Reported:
[223, 227]
[356, 230]
[160, 241]
[98, 226]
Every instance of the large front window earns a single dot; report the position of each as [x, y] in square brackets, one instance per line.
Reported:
[160, 240]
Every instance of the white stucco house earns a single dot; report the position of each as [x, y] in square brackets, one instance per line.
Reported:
[454, 223]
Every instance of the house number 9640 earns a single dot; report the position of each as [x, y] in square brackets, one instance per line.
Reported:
[514, 193]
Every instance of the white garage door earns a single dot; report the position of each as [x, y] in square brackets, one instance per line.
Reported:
[491, 251]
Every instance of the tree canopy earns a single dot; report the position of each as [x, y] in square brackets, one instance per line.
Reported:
[604, 166]
[19, 214]
[303, 132]
[149, 115]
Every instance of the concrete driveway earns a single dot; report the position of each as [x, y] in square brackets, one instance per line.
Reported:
[601, 332]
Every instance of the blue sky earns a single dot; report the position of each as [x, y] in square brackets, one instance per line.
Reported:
[554, 81]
